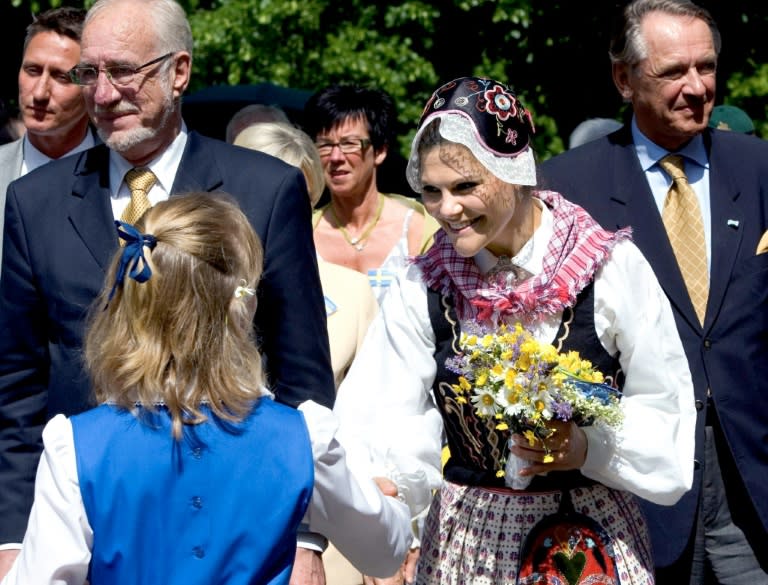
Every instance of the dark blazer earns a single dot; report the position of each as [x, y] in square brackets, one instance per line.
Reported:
[59, 240]
[730, 353]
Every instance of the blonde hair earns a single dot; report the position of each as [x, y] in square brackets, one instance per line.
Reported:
[182, 338]
[291, 145]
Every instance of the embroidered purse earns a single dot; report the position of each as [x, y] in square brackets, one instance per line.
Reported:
[567, 548]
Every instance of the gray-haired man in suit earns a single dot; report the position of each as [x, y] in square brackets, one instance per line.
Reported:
[134, 66]
[664, 61]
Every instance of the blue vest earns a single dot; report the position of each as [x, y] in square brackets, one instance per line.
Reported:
[220, 506]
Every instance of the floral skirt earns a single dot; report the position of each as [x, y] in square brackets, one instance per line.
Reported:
[474, 535]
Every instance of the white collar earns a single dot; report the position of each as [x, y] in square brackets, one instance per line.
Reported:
[34, 158]
[164, 166]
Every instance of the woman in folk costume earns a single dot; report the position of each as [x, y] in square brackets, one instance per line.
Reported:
[510, 254]
[188, 472]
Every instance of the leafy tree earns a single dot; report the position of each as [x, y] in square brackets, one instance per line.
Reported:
[554, 53]
[312, 43]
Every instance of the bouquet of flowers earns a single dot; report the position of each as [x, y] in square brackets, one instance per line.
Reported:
[524, 384]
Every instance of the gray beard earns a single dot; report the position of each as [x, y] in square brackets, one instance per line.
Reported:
[124, 141]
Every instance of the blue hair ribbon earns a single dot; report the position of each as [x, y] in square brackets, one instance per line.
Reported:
[132, 261]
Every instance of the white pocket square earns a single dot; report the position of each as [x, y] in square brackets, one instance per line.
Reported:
[762, 246]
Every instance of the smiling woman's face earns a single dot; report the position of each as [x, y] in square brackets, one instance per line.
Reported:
[472, 205]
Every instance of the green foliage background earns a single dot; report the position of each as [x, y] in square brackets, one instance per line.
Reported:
[554, 52]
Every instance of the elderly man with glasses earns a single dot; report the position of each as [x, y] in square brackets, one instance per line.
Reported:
[134, 66]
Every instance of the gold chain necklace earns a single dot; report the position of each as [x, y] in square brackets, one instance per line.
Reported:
[358, 243]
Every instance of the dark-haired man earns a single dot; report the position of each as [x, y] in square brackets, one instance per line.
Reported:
[51, 105]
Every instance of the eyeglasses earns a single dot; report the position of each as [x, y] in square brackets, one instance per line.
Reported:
[117, 74]
[347, 146]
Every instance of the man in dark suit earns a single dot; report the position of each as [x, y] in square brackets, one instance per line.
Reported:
[664, 62]
[60, 235]
[51, 106]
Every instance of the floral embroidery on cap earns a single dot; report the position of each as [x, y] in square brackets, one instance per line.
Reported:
[501, 120]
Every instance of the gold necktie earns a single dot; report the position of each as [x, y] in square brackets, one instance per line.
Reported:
[139, 181]
[685, 228]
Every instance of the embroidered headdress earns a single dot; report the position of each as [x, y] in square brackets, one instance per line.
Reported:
[488, 118]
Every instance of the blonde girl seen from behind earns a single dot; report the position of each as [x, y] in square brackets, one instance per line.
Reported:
[183, 338]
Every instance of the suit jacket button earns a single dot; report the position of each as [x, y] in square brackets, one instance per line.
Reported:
[699, 405]
[707, 343]
[696, 464]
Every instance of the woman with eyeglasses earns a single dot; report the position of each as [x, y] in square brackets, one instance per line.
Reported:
[361, 228]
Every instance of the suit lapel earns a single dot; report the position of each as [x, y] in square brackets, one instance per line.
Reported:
[89, 207]
[198, 170]
[728, 223]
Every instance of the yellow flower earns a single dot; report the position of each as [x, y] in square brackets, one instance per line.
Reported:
[530, 437]
[529, 346]
[500, 473]
[548, 458]
[549, 353]
[513, 393]
[569, 361]
[508, 374]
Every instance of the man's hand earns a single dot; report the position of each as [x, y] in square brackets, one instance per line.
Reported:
[406, 574]
[307, 568]
[387, 486]
[6, 560]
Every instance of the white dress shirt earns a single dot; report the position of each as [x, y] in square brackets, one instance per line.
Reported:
[165, 167]
[696, 166]
[34, 158]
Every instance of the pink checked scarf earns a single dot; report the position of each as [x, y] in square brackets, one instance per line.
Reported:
[579, 246]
